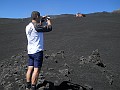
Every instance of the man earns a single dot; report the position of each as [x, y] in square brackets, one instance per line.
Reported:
[34, 33]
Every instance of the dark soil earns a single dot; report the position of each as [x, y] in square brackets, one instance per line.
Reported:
[80, 53]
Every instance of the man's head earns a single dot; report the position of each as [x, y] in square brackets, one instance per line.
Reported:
[35, 16]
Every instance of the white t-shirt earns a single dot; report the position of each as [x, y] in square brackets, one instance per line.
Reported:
[35, 39]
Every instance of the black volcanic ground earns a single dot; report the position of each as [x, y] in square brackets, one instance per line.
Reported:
[80, 53]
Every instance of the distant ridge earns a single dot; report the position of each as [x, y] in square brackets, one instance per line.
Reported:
[58, 16]
[13, 20]
[116, 11]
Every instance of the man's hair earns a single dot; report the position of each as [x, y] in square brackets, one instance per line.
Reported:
[34, 15]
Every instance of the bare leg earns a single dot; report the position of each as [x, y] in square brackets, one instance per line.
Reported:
[35, 76]
[29, 73]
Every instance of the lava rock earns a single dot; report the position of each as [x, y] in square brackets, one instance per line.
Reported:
[64, 72]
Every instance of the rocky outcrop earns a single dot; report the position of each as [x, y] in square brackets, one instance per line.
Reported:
[59, 75]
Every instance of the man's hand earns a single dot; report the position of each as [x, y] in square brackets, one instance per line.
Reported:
[48, 22]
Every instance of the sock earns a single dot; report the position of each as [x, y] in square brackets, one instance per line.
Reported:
[28, 85]
[33, 87]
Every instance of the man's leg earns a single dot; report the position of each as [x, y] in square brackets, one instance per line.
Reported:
[29, 76]
[29, 73]
[38, 59]
[35, 76]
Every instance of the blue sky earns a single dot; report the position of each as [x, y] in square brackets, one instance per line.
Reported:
[23, 8]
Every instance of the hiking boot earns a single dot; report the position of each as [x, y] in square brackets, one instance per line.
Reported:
[33, 87]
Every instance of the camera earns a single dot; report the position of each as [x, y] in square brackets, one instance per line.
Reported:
[45, 18]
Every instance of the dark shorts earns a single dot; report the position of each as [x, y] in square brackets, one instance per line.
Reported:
[35, 59]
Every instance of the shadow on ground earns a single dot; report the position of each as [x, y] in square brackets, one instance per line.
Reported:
[65, 85]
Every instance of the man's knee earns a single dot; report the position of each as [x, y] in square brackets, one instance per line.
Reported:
[36, 70]
[30, 69]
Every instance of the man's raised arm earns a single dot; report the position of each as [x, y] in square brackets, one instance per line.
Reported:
[40, 28]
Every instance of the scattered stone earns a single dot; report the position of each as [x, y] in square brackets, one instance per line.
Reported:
[110, 79]
[16, 79]
[25, 67]
[88, 87]
[21, 87]
[47, 56]
[42, 88]
[81, 88]
[62, 53]
[83, 60]
[50, 69]
[9, 64]
[96, 52]
[56, 82]
[25, 51]
[53, 55]
[13, 56]
[1, 65]
[66, 65]
[55, 61]
[47, 73]
[9, 75]
[95, 58]
[47, 86]
[22, 56]
[15, 72]
[100, 64]
[41, 73]
[64, 72]
[6, 75]
[16, 62]
[9, 86]
[3, 83]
